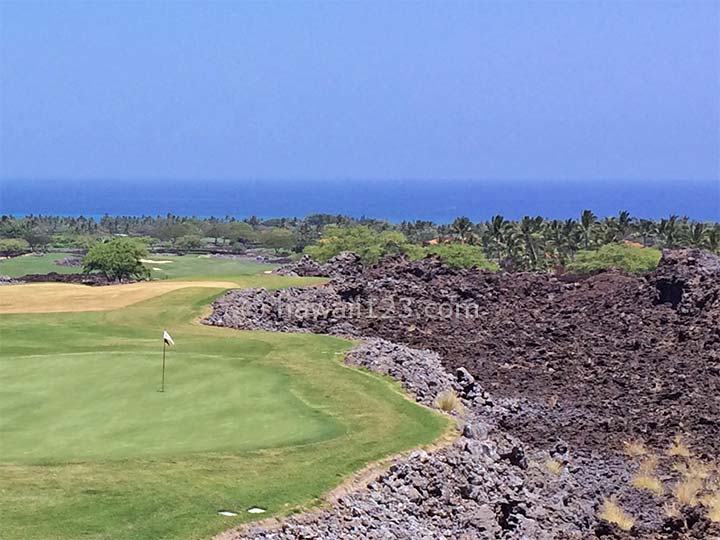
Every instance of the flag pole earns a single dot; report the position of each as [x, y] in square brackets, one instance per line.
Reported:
[162, 388]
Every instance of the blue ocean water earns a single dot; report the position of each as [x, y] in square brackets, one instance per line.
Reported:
[396, 200]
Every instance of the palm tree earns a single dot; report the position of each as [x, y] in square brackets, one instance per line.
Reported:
[530, 229]
[462, 228]
[713, 238]
[646, 228]
[696, 234]
[587, 222]
[497, 229]
[668, 230]
[623, 225]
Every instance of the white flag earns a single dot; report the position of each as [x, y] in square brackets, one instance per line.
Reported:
[167, 338]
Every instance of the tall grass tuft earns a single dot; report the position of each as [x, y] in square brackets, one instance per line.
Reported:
[448, 401]
[612, 513]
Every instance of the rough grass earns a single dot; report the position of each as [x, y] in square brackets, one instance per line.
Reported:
[611, 512]
[649, 483]
[91, 450]
[448, 401]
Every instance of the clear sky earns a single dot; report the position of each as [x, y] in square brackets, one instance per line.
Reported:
[292, 90]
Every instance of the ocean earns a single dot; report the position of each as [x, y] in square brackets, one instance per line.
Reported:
[394, 200]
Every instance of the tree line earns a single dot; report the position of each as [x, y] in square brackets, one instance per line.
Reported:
[531, 243]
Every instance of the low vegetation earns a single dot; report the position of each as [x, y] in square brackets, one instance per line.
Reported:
[448, 401]
[611, 512]
[634, 259]
[679, 481]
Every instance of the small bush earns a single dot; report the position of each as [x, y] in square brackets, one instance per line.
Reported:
[686, 491]
[612, 513]
[449, 402]
[637, 260]
[649, 483]
[461, 256]
[678, 448]
[554, 466]
[635, 448]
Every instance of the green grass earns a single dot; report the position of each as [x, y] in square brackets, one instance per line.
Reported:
[182, 266]
[91, 450]
[35, 264]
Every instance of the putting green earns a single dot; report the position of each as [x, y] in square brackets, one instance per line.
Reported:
[90, 449]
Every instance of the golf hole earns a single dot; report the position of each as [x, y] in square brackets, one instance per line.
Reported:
[227, 513]
[256, 510]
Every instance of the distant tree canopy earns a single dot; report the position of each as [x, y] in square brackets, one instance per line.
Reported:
[117, 259]
[461, 256]
[366, 242]
[277, 238]
[635, 259]
[13, 246]
[531, 243]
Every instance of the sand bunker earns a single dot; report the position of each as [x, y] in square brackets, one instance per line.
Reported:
[153, 261]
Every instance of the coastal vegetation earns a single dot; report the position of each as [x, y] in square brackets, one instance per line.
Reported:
[587, 243]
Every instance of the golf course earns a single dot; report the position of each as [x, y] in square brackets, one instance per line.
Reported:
[90, 448]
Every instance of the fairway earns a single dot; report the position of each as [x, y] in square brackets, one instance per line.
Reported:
[67, 297]
[160, 266]
[90, 449]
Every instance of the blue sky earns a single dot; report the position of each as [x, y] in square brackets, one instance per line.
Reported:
[291, 90]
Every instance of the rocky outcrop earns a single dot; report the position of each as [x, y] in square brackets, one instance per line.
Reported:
[548, 369]
[345, 264]
[7, 280]
[70, 262]
[81, 279]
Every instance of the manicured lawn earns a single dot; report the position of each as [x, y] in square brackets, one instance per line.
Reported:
[89, 448]
[35, 264]
[184, 266]
[168, 267]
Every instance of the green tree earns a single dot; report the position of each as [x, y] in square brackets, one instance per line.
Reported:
[633, 259]
[277, 238]
[362, 240]
[117, 259]
[13, 246]
[188, 242]
[587, 224]
[460, 256]
[462, 228]
[239, 231]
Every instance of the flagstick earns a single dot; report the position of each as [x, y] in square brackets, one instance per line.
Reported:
[162, 388]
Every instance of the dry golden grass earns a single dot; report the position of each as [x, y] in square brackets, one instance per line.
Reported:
[448, 401]
[554, 466]
[612, 513]
[66, 297]
[712, 503]
[649, 465]
[635, 448]
[649, 483]
[686, 491]
[671, 510]
[678, 448]
[694, 468]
